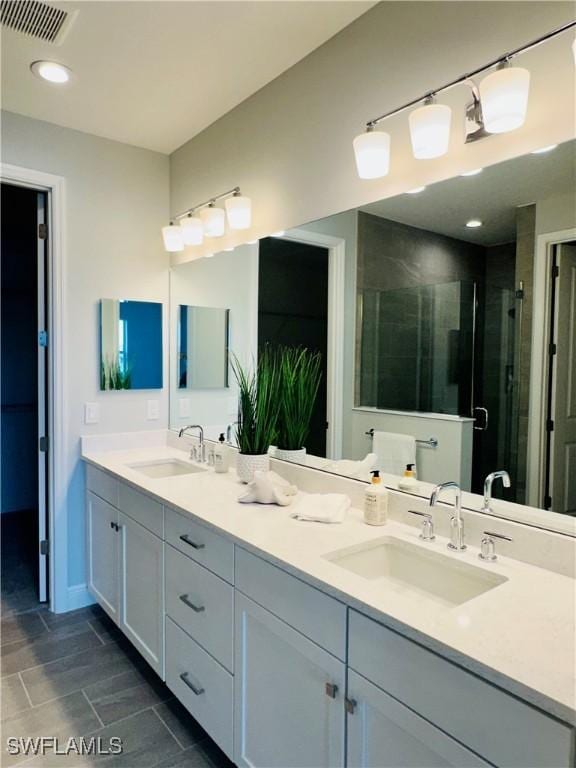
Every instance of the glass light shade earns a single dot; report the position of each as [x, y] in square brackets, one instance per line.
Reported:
[173, 240]
[372, 151]
[430, 131]
[239, 212]
[504, 99]
[213, 221]
[192, 230]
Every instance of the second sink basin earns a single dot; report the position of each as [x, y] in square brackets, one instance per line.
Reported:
[442, 578]
[165, 468]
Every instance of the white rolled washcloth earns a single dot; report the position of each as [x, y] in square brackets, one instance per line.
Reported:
[322, 507]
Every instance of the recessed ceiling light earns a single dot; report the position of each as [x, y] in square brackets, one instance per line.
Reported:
[51, 71]
[415, 191]
[473, 223]
[475, 172]
[542, 150]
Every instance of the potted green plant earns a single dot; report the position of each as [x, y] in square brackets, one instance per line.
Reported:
[258, 409]
[300, 372]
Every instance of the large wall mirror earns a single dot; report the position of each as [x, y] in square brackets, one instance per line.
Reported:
[446, 322]
[130, 344]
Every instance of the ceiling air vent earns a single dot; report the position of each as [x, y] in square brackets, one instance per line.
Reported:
[35, 19]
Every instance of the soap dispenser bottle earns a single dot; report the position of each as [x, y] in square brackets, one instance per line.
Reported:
[221, 455]
[375, 501]
[408, 481]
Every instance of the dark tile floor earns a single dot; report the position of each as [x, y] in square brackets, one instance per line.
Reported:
[74, 675]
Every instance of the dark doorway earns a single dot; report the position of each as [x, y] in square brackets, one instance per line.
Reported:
[23, 269]
[293, 310]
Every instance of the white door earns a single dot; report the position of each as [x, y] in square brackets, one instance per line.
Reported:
[563, 449]
[42, 394]
[382, 733]
[103, 550]
[142, 590]
[289, 695]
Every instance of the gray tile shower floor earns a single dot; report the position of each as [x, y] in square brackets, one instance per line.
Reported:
[74, 675]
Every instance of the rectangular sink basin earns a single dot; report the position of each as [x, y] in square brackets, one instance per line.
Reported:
[165, 468]
[441, 578]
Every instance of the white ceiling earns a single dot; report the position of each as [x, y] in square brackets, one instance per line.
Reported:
[493, 197]
[154, 74]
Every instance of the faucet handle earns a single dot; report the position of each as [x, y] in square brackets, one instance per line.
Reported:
[427, 533]
[488, 545]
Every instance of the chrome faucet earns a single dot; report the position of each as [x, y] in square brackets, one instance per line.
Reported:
[487, 507]
[197, 453]
[456, 522]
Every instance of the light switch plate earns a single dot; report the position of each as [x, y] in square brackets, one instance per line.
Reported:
[183, 407]
[152, 410]
[91, 413]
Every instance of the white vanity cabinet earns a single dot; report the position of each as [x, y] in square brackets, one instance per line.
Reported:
[103, 548]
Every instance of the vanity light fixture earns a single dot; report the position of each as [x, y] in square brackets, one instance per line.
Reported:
[473, 223]
[415, 191]
[173, 238]
[207, 220]
[543, 150]
[499, 104]
[475, 172]
[51, 71]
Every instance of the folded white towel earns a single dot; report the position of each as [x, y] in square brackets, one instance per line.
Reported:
[269, 488]
[322, 507]
[394, 451]
[357, 469]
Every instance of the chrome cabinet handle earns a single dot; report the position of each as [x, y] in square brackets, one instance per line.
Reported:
[197, 608]
[185, 679]
[187, 540]
[331, 690]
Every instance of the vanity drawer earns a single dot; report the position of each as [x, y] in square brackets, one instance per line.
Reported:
[314, 614]
[494, 724]
[141, 508]
[200, 543]
[102, 484]
[201, 684]
[202, 604]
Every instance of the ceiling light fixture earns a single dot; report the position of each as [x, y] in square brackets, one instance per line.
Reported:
[499, 104]
[473, 223]
[475, 172]
[415, 191]
[207, 220]
[51, 71]
[543, 150]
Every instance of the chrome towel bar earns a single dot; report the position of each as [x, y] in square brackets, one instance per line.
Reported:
[432, 442]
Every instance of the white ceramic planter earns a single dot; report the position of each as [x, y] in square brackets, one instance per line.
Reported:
[298, 456]
[246, 465]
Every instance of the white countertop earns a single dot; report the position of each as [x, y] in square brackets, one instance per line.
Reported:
[520, 635]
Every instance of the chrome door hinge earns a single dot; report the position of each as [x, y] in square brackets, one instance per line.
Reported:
[331, 690]
[44, 547]
[350, 705]
[43, 338]
[42, 231]
[43, 444]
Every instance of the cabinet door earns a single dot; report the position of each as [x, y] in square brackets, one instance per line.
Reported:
[289, 695]
[103, 542]
[382, 733]
[142, 590]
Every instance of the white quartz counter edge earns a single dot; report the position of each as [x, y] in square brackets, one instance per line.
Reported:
[519, 636]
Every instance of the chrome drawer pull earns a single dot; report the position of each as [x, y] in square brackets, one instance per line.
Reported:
[190, 684]
[190, 543]
[198, 608]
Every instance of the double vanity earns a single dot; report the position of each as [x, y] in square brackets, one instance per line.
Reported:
[305, 644]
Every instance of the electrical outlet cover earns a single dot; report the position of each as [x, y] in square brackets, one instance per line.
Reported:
[183, 407]
[152, 410]
[91, 413]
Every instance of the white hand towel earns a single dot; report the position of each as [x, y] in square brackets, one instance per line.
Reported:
[394, 451]
[322, 507]
[269, 488]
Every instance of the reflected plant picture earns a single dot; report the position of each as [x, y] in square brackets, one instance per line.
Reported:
[115, 376]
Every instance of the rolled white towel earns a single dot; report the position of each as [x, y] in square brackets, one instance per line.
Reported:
[322, 507]
[269, 488]
[356, 469]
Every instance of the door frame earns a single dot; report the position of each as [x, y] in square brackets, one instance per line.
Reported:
[541, 327]
[336, 247]
[55, 189]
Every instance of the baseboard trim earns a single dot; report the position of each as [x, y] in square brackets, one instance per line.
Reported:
[79, 597]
